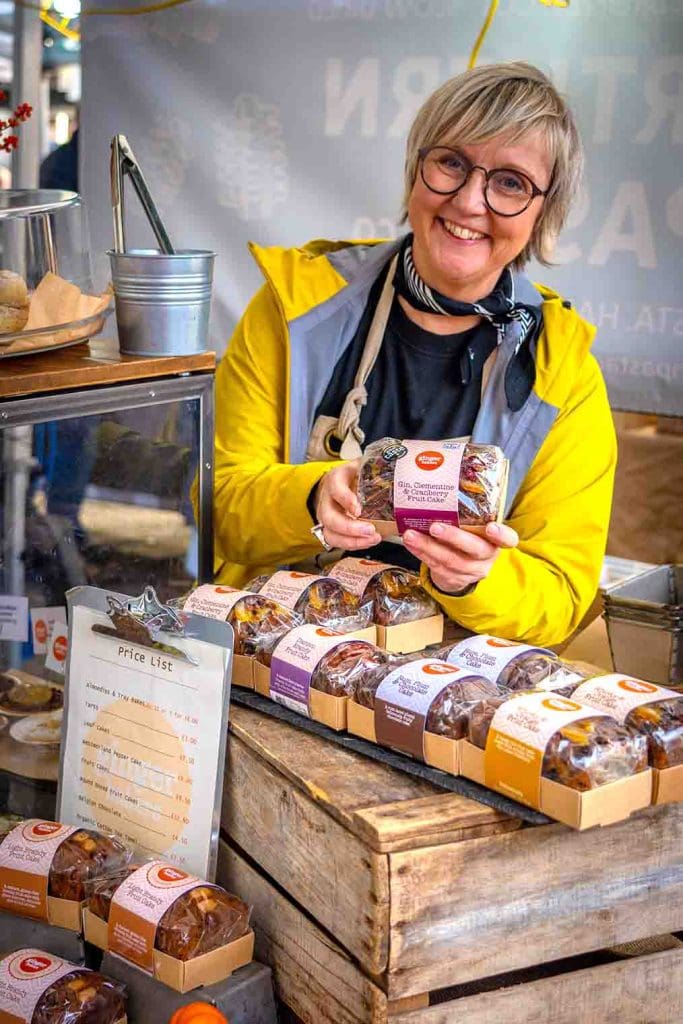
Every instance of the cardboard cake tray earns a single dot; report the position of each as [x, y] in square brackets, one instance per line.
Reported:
[182, 975]
[439, 751]
[407, 637]
[604, 805]
[667, 785]
[243, 671]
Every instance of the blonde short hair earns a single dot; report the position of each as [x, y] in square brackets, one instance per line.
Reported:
[510, 100]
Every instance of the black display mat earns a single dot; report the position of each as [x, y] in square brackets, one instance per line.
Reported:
[449, 783]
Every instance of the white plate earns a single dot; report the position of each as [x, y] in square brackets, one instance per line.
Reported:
[31, 730]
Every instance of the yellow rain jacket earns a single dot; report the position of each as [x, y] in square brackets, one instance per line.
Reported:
[538, 592]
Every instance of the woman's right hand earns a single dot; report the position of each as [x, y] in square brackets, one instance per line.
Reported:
[337, 509]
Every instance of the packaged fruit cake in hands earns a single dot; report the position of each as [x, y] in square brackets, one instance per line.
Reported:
[41, 859]
[192, 917]
[413, 484]
[38, 988]
[580, 748]
[395, 593]
[654, 712]
[258, 621]
[317, 599]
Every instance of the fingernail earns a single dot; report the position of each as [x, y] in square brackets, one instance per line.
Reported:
[437, 529]
[493, 529]
[367, 531]
[410, 536]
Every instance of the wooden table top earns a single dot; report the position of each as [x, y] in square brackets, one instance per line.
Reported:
[95, 362]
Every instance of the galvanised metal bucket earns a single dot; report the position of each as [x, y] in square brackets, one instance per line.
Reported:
[162, 301]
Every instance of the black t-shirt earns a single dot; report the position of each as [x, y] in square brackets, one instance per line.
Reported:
[423, 386]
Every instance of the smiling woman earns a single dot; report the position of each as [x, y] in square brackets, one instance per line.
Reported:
[436, 335]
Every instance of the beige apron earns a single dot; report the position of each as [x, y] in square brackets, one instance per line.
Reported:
[335, 438]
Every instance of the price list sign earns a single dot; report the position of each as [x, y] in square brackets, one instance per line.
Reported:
[144, 749]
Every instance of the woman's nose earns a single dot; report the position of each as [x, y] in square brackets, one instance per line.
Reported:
[470, 198]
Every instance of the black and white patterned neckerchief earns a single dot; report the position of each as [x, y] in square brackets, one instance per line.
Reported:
[499, 307]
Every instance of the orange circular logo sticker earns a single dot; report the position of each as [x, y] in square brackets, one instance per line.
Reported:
[637, 686]
[324, 631]
[429, 460]
[59, 648]
[171, 875]
[224, 590]
[41, 631]
[34, 965]
[300, 575]
[43, 829]
[439, 668]
[560, 704]
[491, 642]
[369, 561]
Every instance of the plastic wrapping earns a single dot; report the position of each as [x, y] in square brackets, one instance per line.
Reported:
[342, 669]
[258, 622]
[662, 725]
[480, 487]
[532, 669]
[83, 997]
[325, 602]
[198, 922]
[396, 594]
[81, 857]
[450, 711]
[590, 752]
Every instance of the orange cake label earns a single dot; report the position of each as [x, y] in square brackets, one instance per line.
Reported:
[618, 695]
[520, 731]
[214, 602]
[26, 856]
[138, 905]
[24, 977]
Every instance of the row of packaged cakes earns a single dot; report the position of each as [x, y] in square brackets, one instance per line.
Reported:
[513, 717]
[183, 930]
[369, 599]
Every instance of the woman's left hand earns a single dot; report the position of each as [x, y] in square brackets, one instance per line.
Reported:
[455, 558]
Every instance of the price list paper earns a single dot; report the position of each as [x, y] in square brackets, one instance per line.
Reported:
[144, 748]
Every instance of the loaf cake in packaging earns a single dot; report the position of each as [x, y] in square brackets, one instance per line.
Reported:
[412, 484]
[317, 599]
[45, 868]
[39, 988]
[590, 751]
[513, 666]
[184, 931]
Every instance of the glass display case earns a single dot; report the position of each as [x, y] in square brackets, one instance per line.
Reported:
[99, 453]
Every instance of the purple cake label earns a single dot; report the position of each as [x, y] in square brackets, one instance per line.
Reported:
[294, 661]
[426, 483]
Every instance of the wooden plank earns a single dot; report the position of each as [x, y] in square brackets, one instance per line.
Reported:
[322, 985]
[347, 785]
[311, 973]
[479, 908]
[645, 990]
[316, 860]
[83, 366]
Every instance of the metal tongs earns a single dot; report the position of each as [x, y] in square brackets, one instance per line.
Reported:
[123, 162]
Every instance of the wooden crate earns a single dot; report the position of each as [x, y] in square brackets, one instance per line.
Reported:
[425, 889]
[321, 984]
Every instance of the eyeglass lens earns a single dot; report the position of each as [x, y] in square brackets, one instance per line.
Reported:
[507, 191]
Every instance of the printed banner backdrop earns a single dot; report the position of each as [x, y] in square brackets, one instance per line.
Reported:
[285, 121]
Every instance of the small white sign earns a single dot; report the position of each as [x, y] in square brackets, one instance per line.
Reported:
[41, 624]
[13, 617]
[57, 647]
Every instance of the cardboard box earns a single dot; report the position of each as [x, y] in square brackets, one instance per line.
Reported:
[243, 671]
[182, 975]
[323, 707]
[388, 527]
[440, 751]
[667, 785]
[407, 637]
[580, 810]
